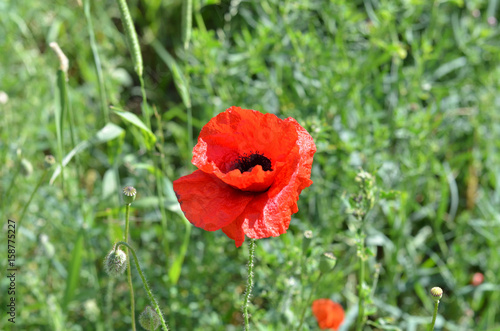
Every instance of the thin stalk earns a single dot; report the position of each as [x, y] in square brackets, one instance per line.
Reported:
[145, 109]
[129, 270]
[61, 83]
[31, 197]
[72, 125]
[144, 282]
[190, 126]
[108, 304]
[160, 166]
[361, 291]
[313, 290]
[187, 22]
[248, 292]
[97, 63]
[11, 185]
[436, 305]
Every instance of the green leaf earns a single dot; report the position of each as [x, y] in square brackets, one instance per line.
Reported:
[74, 269]
[389, 195]
[107, 133]
[175, 269]
[132, 118]
[180, 81]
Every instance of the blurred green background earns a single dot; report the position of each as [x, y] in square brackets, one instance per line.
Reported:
[408, 90]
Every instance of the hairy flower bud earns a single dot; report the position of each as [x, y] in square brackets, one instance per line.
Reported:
[49, 161]
[149, 319]
[129, 193]
[115, 263]
[26, 168]
[436, 293]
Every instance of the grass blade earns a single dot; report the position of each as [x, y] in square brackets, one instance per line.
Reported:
[74, 269]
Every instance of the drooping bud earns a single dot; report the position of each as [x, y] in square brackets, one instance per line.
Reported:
[129, 193]
[26, 168]
[327, 262]
[149, 319]
[115, 263]
[49, 161]
[436, 293]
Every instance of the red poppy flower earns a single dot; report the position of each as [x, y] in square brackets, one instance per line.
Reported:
[477, 279]
[328, 313]
[252, 168]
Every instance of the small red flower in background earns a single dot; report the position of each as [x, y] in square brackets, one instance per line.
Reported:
[477, 279]
[252, 168]
[328, 313]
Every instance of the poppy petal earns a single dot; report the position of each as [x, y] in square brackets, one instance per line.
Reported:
[256, 180]
[328, 313]
[269, 214]
[237, 132]
[252, 168]
[209, 203]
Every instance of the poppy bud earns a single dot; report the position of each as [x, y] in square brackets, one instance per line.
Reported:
[306, 242]
[149, 319]
[115, 263]
[49, 161]
[327, 262]
[436, 293]
[26, 168]
[129, 193]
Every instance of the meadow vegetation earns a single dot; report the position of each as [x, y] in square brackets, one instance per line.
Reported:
[405, 90]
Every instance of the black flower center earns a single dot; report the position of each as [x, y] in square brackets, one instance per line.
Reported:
[246, 162]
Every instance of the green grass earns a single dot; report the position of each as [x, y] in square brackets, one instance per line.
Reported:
[406, 90]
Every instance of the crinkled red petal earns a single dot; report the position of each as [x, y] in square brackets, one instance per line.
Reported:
[269, 213]
[209, 203]
[237, 132]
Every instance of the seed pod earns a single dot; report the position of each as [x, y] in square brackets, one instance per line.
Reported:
[306, 241]
[129, 194]
[327, 262]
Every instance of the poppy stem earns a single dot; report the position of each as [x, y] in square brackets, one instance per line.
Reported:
[436, 294]
[436, 305]
[313, 290]
[129, 270]
[31, 197]
[145, 283]
[251, 252]
[361, 283]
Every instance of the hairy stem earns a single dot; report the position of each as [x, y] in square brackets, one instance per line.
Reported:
[144, 282]
[248, 292]
[129, 270]
[313, 290]
[361, 291]
[436, 305]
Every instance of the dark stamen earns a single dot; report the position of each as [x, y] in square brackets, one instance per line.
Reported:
[246, 162]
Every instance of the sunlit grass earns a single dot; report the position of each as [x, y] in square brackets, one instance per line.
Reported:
[407, 91]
